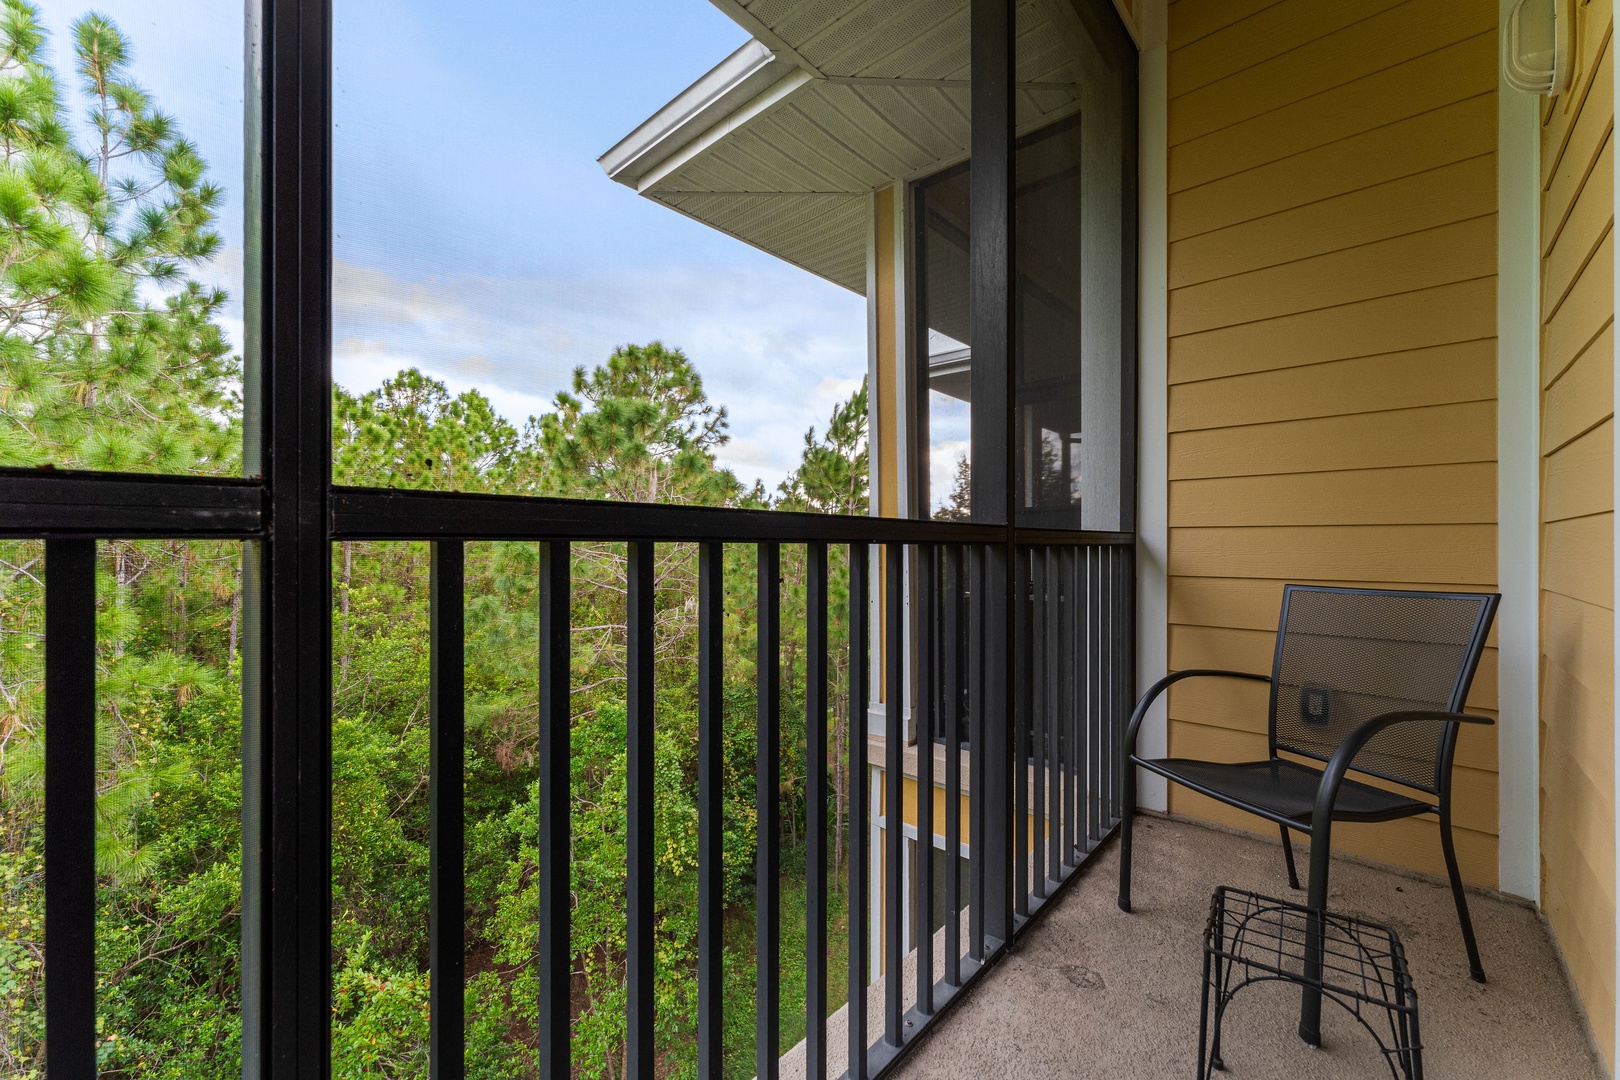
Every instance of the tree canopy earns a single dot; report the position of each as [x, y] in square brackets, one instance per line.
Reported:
[110, 357]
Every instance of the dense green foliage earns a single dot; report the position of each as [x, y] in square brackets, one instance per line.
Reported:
[111, 357]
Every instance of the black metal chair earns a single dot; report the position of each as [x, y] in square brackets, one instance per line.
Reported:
[1368, 680]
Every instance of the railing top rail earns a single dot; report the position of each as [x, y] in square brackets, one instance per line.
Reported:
[372, 514]
[43, 503]
[67, 504]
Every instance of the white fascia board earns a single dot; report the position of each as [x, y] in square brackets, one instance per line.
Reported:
[777, 93]
[718, 100]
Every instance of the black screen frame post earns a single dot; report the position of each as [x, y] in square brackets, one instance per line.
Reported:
[290, 878]
[992, 306]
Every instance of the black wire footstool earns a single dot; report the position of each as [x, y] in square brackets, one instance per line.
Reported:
[1356, 964]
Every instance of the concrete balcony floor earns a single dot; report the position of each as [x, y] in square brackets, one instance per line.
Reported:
[1094, 992]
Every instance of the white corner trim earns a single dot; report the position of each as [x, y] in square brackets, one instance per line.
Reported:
[1518, 495]
[1152, 417]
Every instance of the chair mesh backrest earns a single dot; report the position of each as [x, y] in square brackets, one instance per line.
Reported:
[1345, 656]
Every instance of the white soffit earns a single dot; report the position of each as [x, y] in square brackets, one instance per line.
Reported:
[783, 141]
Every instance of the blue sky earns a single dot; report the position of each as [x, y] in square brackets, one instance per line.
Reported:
[476, 236]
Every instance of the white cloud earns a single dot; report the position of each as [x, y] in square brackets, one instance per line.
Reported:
[775, 346]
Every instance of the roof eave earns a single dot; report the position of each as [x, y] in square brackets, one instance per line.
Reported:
[741, 78]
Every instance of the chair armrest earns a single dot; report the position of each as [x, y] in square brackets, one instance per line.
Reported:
[1327, 791]
[1164, 684]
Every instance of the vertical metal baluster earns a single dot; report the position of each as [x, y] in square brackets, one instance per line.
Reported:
[977, 573]
[1020, 729]
[927, 639]
[1112, 701]
[556, 827]
[894, 833]
[1128, 666]
[446, 860]
[640, 959]
[1000, 749]
[1122, 652]
[815, 729]
[1052, 652]
[1073, 680]
[70, 808]
[711, 808]
[858, 907]
[767, 817]
[1040, 764]
[1094, 685]
[1105, 675]
[951, 714]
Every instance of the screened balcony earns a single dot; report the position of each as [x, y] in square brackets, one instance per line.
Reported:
[431, 643]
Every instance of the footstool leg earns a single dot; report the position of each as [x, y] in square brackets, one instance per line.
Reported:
[1203, 1019]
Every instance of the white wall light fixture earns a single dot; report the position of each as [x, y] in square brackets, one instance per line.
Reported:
[1538, 46]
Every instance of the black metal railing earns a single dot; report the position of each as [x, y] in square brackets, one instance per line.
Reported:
[1011, 650]
[1026, 663]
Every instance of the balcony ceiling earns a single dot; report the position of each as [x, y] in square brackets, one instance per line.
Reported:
[781, 142]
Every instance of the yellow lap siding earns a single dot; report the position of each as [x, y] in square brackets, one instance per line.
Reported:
[1587, 946]
[1429, 109]
[1451, 193]
[1428, 436]
[1577, 559]
[1585, 312]
[1197, 19]
[1465, 311]
[1461, 251]
[1588, 223]
[1582, 396]
[1559, 126]
[1437, 375]
[1578, 480]
[1332, 361]
[1339, 56]
[1578, 638]
[1444, 553]
[1421, 495]
[1578, 150]
[1266, 35]
[1576, 708]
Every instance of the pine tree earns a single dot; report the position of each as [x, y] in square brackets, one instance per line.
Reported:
[959, 506]
[637, 429]
[110, 356]
[833, 474]
[411, 433]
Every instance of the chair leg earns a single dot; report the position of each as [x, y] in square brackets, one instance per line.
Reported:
[1288, 853]
[1475, 970]
[1310, 1009]
[1126, 818]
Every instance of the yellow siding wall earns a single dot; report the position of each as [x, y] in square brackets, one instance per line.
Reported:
[1577, 513]
[1332, 347]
